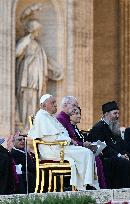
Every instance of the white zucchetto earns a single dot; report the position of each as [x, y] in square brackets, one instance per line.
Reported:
[44, 98]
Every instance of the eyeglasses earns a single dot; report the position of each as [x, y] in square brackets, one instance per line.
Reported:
[20, 139]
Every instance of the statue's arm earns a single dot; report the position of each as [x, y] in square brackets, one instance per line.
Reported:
[22, 44]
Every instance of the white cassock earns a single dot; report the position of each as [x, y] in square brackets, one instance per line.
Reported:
[81, 159]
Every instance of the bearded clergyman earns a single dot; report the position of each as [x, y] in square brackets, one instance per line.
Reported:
[115, 158]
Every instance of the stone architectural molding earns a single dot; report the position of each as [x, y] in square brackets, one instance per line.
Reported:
[7, 74]
[124, 6]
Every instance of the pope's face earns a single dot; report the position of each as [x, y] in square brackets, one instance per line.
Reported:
[51, 105]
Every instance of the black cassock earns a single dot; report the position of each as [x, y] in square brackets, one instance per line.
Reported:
[8, 181]
[20, 158]
[127, 139]
[117, 170]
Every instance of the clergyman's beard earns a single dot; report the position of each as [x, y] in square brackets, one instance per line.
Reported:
[115, 127]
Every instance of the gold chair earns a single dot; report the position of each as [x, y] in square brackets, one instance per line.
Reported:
[54, 167]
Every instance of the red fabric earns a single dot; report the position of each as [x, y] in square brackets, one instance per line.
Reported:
[51, 161]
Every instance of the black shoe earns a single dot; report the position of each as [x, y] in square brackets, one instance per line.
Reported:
[69, 188]
[88, 187]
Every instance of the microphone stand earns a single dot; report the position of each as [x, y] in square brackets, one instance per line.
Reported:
[26, 157]
[26, 154]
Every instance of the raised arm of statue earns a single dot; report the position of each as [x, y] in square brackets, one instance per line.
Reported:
[22, 44]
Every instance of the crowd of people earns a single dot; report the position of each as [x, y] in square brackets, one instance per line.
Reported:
[112, 165]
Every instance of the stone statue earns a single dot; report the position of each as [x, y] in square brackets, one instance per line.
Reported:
[33, 68]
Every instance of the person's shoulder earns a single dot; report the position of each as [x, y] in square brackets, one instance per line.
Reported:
[127, 130]
[40, 113]
[99, 124]
[40, 117]
[127, 133]
[59, 115]
[3, 149]
[63, 119]
[62, 115]
[14, 151]
[98, 127]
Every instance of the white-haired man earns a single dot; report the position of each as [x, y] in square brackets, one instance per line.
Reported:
[48, 128]
[68, 105]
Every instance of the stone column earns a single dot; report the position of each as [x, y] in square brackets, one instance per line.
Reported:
[83, 59]
[6, 70]
[124, 6]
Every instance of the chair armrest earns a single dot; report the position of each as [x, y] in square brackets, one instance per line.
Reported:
[62, 143]
[57, 142]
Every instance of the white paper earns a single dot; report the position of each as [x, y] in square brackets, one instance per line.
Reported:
[18, 169]
[100, 147]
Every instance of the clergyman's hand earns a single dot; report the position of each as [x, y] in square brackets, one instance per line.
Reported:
[93, 148]
[125, 156]
[74, 142]
[87, 144]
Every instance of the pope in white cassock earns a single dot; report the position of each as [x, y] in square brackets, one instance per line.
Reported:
[47, 127]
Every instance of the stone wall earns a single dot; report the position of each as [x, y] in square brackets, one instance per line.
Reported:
[106, 59]
[83, 59]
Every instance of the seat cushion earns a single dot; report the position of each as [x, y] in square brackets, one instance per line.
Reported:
[51, 161]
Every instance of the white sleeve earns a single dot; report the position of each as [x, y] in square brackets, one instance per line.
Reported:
[64, 136]
[43, 126]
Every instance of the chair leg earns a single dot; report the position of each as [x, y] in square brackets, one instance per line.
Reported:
[42, 181]
[74, 188]
[61, 183]
[55, 187]
[50, 180]
[37, 180]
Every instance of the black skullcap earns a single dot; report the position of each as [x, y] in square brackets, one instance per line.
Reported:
[112, 105]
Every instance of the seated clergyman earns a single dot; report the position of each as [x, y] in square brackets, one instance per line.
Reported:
[8, 180]
[115, 157]
[48, 128]
[18, 153]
